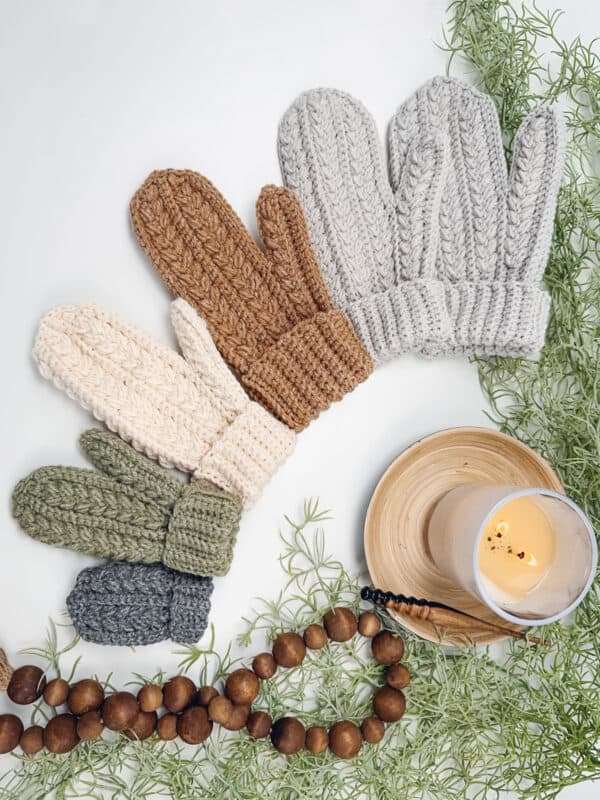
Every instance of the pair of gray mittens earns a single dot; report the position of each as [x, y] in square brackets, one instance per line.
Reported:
[447, 254]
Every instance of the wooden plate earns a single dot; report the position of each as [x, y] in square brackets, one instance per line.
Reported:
[396, 546]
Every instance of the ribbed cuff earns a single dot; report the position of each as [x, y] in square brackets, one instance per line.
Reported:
[190, 607]
[202, 531]
[408, 318]
[313, 365]
[247, 454]
[501, 318]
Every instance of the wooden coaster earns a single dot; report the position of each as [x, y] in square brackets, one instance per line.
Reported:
[396, 545]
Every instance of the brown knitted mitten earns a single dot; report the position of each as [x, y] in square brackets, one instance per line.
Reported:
[269, 312]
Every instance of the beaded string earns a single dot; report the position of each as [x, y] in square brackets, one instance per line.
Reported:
[190, 713]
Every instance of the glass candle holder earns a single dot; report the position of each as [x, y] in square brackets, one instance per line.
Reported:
[529, 554]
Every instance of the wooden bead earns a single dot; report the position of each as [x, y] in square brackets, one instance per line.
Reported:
[194, 725]
[340, 624]
[220, 709]
[317, 740]
[150, 697]
[264, 665]
[26, 685]
[397, 676]
[289, 650]
[119, 711]
[389, 704]
[143, 726]
[369, 624]
[288, 735]
[56, 692]
[166, 727]
[315, 637]
[11, 729]
[372, 730]
[90, 726]
[387, 648]
[259, 724]
[32, 740]
[345, 739]
[238, 718]
[178, 693]
[205, 694]
[60, 734]
[242, 686]
[86, 695]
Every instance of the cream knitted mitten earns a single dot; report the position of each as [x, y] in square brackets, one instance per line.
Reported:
[495, 227]
[376, 247]
[189, 413]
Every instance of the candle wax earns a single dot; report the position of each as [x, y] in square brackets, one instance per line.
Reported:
[516, 550]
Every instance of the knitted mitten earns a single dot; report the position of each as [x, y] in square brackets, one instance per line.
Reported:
[135, 604]
[189, 412]
[376, 246]
[495, 228]
[131, 510]
[269, 312]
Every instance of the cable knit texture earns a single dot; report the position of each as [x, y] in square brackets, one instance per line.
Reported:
[136, 604]
[131, 510]
[449, 258]
[189, 413]
[495, 227]
[269, 312]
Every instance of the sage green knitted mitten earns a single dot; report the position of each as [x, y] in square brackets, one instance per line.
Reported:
[130, 510]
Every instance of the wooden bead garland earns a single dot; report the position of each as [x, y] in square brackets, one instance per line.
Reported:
[191, 711]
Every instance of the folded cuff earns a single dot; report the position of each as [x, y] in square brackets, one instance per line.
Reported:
[190, 607]
[202, 531]
[247, 454]
[313, 365]
[411, 317]
[137, 604]
[499, 318]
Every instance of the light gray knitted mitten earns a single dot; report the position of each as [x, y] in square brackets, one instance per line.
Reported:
[495, 227]
[376, 244]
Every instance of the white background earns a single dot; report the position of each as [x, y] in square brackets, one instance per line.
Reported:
[93, 96]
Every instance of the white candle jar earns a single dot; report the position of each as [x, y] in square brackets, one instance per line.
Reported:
[461, 519]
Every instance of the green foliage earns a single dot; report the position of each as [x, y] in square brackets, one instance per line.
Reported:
[527, 721]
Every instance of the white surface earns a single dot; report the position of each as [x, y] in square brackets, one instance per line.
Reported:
[95, 95]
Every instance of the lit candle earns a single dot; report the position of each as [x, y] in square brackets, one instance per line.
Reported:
[517, 549]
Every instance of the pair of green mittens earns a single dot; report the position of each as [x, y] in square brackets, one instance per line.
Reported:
[131, 510]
